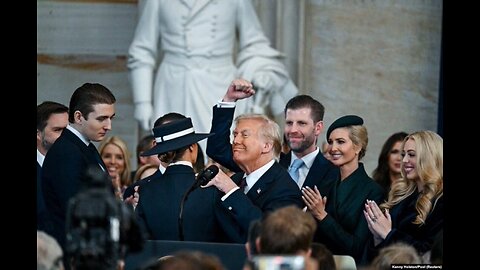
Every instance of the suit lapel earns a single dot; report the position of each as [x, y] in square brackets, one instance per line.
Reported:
[98, 158]
[79, 143]
[263, 183]
[317, 171]
[92, 155]
[332, 199]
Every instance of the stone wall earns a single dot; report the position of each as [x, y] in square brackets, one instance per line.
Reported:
[375, 58]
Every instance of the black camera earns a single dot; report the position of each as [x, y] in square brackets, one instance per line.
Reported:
[100, 228]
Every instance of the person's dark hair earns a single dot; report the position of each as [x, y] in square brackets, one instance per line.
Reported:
[381, 173]
[200, 163]
[306, 101]
[45, 110]
[175, 155]
[88, 95]
[324, 257]
[144, 144]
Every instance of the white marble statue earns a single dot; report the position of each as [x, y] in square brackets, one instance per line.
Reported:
[197, 39]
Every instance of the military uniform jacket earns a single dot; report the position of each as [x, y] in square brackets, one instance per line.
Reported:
[197, 39]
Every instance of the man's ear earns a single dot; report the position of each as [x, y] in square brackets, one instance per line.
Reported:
[77, 117]
[143, 160]
[318, 128]
[267, 147]
[191, 147]
[309, 252]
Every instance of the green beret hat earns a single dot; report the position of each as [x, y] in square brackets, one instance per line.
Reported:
[344, 121]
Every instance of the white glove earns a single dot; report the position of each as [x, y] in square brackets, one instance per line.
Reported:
[143, 114]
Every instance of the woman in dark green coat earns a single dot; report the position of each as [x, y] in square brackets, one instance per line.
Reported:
[340, 222]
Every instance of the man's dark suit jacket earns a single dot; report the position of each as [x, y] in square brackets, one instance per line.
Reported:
[159, 207]
[344, 231]
[62, 173]
[322, 173]
[273, 190]
[43, 221]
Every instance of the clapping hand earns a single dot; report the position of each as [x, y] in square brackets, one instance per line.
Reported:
[379, 223]
[315, 202]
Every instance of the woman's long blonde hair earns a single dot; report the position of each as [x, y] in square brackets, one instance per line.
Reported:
[429, 155]
[125, 176]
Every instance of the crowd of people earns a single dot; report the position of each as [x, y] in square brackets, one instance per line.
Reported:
[279, 193]
[297, 199]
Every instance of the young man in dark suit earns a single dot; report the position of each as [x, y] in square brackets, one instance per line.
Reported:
[303, 125]
[91, 111]
[52, 118]
[263, 185]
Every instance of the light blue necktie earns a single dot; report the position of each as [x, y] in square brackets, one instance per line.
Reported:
[293, 170]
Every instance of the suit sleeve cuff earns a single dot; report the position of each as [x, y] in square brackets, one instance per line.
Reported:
[225, 104]
[224, 197]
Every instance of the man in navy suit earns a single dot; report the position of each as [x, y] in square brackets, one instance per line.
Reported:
[91, 111]
[303, 125]
[52, 118]
[263, 185]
